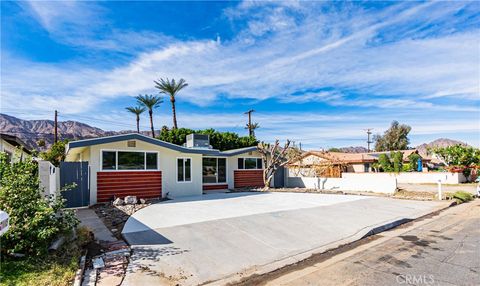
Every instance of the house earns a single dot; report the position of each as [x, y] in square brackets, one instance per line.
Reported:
[332, 164]
[15, 148]
[134, 164]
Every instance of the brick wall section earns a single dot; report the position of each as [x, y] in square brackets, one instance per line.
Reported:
[128, 183]
[248, 178]
[215, 187]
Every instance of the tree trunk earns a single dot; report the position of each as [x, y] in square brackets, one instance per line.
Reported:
[151, 122]
[138, 123]
[267, 183]
[172, 99]
[267, 178]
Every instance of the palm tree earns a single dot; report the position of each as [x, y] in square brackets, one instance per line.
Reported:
[150, 102]
[251, 128]
[171, 88]
[137, 111]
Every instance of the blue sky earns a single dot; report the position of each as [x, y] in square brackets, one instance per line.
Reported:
[315, 72]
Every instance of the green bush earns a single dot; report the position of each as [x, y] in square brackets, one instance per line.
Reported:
[462, 196]
[385, 163]
[56, 153]
[35, 221]
[219, 140]
[397, 161]
[413, 161]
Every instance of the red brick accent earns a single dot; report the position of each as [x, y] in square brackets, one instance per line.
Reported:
[215, 187]
[248, 178]
[143, 184]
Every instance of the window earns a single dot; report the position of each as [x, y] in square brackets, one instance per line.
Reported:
[129, 160]
[184, 170]
[9, 157]
[109, 160]
[366, 167]
[249, 163]
[151, 159]
[214, 170]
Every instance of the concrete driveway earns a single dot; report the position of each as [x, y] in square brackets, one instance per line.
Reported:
[219, 238]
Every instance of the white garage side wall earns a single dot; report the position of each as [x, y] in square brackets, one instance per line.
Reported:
[355, 183]
[167, 159]
[232, 165]
[417, 177]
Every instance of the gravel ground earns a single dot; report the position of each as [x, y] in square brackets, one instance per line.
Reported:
[114, 217]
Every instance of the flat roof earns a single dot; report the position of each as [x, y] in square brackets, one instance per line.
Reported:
[154, 141]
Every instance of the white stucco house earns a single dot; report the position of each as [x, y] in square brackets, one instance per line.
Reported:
[15, 148]
[134, 164]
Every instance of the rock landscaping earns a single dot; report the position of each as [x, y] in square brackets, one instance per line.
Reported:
[116, 213]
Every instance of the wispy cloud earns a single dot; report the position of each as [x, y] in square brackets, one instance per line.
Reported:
[408, 56]
[83, 24]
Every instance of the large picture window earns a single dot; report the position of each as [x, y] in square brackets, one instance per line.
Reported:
[184, 169]
[250, 163]
[129, 160]
[214, 170]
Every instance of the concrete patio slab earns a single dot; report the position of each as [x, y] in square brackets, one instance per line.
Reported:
[226, 236]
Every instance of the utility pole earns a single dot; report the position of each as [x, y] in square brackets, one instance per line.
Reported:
[250, 130]
[55, 132]
[369, 132]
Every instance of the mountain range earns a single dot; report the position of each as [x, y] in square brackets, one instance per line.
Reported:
[31, 131]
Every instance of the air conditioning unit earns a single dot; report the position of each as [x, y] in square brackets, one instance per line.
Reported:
[198, 141]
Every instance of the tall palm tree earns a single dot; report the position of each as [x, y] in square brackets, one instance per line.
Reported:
[251, 128]
[150, 102]
[171, 88]
[137, 111]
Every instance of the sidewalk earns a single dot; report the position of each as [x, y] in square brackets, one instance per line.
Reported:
[89, 218]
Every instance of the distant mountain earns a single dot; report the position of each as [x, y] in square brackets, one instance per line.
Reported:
[31, 131]
[441, 142]
[351, 149]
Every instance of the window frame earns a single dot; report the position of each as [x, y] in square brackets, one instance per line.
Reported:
[131, 170]
[256, 163]
[226, 170]
[176, 170]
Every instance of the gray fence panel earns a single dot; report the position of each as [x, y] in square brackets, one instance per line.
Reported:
[75, 173]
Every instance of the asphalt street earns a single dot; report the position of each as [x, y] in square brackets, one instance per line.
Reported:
[442, 250]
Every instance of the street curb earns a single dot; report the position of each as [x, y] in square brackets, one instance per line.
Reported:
[362, 233]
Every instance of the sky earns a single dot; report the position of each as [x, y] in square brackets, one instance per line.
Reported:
[316, 72]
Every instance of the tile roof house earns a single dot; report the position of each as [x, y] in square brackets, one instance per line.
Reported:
[345, 162]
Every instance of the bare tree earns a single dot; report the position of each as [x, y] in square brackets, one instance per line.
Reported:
[274, 157]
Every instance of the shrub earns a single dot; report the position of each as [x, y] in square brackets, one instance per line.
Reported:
[385, 163]
[34, 220]
[219, 140]
[462, 196]
[397, 161]
[56, 153]
[413, 161]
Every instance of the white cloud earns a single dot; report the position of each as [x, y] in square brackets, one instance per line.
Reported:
[354, 56]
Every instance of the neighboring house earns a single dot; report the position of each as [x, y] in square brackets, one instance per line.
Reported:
[15, 148]
[332, 164]
[134, 164]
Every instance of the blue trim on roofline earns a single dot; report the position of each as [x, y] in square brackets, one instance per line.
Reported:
[136, 136]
